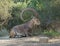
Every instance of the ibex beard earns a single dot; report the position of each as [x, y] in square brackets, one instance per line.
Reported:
[25, 29]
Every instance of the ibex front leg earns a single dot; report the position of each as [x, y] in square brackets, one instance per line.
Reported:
[30, 33]
[26, 33]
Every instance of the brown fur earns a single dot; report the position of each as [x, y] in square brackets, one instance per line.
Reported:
[24, 29]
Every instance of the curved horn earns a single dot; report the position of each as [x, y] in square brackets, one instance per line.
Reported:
[28, 9]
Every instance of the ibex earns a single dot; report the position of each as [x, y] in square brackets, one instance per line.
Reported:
[26, 28]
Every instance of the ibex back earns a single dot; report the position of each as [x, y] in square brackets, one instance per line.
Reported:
[26, 28]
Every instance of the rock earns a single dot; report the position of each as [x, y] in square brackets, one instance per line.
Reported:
[43, 39]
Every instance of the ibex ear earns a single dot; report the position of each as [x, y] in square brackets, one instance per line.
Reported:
[34, 17]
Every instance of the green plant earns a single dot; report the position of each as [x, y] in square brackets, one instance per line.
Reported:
[51, 33]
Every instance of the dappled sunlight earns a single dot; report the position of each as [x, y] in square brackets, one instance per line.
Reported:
[29, 22]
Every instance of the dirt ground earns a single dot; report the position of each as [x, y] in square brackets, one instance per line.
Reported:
[28, 41]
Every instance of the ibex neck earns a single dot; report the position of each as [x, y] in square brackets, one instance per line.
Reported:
[30, 24]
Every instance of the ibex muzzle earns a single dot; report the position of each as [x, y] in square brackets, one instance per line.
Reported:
[26, 28]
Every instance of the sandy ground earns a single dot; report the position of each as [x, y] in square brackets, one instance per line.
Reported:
[28, 41]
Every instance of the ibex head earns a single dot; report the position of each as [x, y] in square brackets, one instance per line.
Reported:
[36, 21]
[34, 18]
